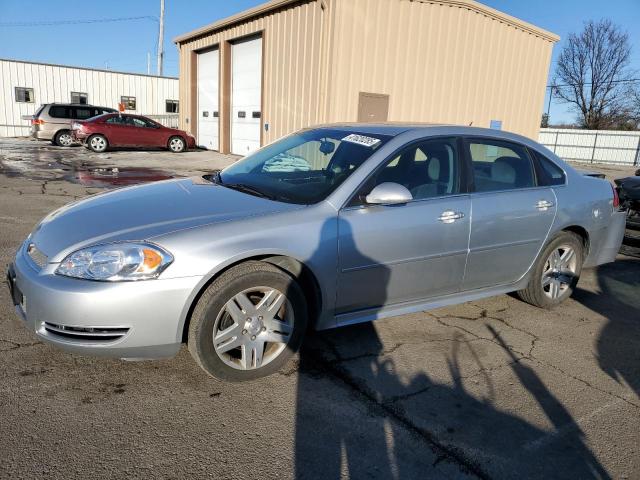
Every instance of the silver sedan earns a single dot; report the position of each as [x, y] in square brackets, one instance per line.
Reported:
[327, 227]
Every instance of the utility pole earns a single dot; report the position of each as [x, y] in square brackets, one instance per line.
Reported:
[148, 63]
[161, 38]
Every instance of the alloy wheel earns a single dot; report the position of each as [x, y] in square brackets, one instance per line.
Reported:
[65, 139]
[253, 328]
[559, 271]
[98, 144]
[176, 145]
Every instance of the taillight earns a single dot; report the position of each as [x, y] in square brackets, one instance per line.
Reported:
[616, 198]
[37, 121]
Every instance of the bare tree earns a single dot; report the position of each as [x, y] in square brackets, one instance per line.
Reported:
[544, 123]
[592, 74]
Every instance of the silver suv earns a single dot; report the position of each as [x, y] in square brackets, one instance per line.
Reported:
[52, 121]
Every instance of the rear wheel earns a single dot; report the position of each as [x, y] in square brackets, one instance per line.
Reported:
[63, 138]
[556, 272]
[248, 322]
[97, 143]
[177, 145]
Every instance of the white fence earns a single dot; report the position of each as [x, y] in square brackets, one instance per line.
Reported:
[169, 120]
[593, 146]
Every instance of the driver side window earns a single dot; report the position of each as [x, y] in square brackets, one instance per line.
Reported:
[427, 169]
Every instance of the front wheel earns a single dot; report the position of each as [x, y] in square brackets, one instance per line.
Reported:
[556, 272]
[97, 143]
[177, 145]
[248, 322]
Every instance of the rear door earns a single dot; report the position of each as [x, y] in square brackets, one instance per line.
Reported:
[512, 215]
[119, 131]
[403, 253]
[60, 116]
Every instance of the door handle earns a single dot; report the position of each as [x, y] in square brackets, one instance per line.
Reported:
[544, 205]
[449, 216]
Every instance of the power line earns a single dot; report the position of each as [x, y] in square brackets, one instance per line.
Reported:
[75, 22]
[630, 80]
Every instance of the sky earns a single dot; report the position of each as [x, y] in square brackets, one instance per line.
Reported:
[124, 45]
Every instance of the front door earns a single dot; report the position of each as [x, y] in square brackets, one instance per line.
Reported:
[512, 216]
[403, 253]
[208, 113]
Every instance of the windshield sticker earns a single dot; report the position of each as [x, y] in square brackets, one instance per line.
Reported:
[361, 140]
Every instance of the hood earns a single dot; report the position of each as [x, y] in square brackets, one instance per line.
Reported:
[145, 211]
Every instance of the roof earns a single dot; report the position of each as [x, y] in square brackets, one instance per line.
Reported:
[239, 17]
[85, 68]
[277, 4]
[396, 128]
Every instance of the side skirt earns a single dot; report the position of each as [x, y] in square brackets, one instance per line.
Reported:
[395, 310]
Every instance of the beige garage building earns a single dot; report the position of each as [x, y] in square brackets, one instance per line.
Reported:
[254, 77]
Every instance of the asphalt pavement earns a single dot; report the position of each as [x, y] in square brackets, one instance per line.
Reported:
[489, 389]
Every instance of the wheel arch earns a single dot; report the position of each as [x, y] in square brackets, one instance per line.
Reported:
[102, 134]
[583, 234]
[296, 268]
[174, 135]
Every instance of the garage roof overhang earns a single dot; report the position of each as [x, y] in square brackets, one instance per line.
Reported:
[238, 18]
[276, 4]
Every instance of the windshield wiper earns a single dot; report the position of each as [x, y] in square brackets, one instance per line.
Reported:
[241, 187]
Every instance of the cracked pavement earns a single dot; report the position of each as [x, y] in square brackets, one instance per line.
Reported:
[493, 388]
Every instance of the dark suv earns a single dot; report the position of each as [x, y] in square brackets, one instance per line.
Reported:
[52, 121]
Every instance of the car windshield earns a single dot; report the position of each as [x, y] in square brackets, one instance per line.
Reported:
[302, 168]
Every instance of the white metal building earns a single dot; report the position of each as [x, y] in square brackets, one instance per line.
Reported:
[24, 86]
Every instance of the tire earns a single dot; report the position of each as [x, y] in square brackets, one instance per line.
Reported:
[554, 277]
[176, 144]
[98, 143]
[63, 138]
[241, 332]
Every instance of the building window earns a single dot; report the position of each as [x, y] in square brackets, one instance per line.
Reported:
[129, 102]
[24, 95]
[171, 106]
[79, 97]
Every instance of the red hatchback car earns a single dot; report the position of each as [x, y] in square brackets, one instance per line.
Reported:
[119, 130]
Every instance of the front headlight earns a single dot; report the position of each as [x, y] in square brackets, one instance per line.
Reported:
[116, 262]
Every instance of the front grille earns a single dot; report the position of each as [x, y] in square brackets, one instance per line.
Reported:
[36, 256]
[96, 334]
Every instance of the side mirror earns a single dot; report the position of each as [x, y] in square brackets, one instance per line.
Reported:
[389, 193]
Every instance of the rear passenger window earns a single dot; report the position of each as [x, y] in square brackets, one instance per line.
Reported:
[499, 165]
[59, 111]
[548, 172]
[83, 113]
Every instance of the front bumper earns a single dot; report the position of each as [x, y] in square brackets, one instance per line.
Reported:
[131, 320]
[79, 137]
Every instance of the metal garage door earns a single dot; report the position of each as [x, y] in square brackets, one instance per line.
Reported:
[208, 122]
[246, 87]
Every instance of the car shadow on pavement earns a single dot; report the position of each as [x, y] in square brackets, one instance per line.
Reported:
[618, 342]
[357, 417]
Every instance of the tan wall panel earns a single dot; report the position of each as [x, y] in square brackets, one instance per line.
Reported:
[439, 62]
[292, 73]
[449, 61]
